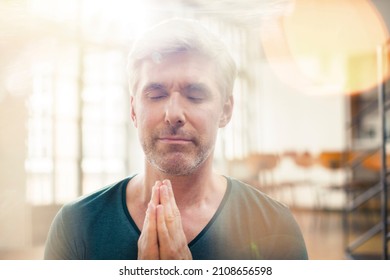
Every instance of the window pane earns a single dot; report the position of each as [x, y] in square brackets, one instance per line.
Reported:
[66, 139]
[114, 141]
[92, 140]
[92, 182]
[66, 180]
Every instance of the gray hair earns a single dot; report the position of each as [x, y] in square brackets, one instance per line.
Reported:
[182, 35]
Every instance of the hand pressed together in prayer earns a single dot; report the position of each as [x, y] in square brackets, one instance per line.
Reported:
[162, 236]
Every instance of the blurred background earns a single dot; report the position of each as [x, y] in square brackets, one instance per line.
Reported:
[309, 126]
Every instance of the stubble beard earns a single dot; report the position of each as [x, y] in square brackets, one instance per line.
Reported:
[175, 159]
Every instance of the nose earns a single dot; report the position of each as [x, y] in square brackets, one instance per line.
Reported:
[174, 110]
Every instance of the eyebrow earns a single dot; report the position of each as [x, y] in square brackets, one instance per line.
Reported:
[201, 88]
[152, 86]
[191, 86]
[197, 86]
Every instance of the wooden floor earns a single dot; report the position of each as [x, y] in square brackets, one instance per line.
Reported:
[323, 232]
[326, 238]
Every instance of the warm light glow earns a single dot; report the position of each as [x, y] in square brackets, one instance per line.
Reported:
[326, 46]
[117, 17]
[99, 19]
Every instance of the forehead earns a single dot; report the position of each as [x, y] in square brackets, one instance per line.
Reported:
[179, 68]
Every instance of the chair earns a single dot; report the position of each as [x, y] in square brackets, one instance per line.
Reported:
[305, 161]
[336, 159]
[265, 165]
[374, 162]
[339, 161]
[243, 170]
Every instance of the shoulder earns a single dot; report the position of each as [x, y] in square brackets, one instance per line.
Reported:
[81, 214]
[100, 198]
[242, 193]
[267, 220]
[72, 225]
[250, 204]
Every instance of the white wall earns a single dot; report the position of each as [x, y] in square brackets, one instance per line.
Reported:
[297, 121]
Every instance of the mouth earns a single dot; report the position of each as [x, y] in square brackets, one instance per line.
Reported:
[175, 140]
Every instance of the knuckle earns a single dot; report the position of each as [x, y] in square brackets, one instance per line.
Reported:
[176, 213]
[171, 218]
[174, 216]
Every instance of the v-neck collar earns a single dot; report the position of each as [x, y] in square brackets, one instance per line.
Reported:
[201, 233]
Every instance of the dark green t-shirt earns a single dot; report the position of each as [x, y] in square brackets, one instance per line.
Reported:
[247, 225]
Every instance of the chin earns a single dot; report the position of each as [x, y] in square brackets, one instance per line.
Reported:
[177, 165]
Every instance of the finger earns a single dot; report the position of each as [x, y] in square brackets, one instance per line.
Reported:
[155, 198]
[174, 213]
[148, 241]
[170, 194]
[170, 247]
[162, 230]
[149, 228]
[150, 224]
[165, 201]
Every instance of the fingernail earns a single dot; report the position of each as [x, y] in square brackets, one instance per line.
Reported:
[162, 188]
[165, 189]
[157, 185]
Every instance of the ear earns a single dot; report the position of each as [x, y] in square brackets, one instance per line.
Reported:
[132, 110]
[227, 111]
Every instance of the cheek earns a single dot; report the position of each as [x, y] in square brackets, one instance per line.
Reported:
[145, 114]
[209, 121]
[149, 121]
[146, 120]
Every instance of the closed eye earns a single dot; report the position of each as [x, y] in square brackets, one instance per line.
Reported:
[155, 91]
[196, 92]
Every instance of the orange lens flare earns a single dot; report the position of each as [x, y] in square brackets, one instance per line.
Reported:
[326, 46]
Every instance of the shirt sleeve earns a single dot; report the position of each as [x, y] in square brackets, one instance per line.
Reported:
[288, 243]
[59, 244]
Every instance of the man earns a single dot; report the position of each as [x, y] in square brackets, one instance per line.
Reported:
[181, 79]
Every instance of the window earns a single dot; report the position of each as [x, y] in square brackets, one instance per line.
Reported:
[78, 125]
